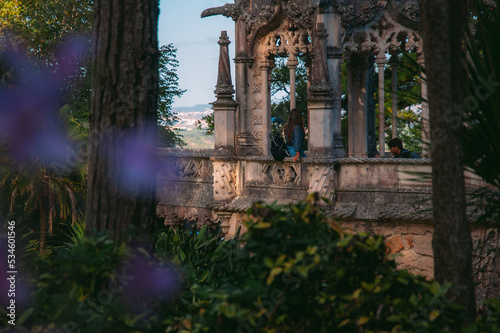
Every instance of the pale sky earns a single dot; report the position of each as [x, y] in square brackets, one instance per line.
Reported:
[196, 40]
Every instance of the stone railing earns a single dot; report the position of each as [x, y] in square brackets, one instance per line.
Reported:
[195, 185]
[391, 197]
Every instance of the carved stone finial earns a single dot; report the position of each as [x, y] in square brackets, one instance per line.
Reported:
[228, 10]
[224, 89]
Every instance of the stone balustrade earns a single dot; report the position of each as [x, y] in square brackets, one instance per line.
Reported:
[390, 197]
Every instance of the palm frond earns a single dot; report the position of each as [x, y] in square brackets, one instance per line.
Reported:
[73, 204]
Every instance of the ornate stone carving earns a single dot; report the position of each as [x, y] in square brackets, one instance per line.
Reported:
[321, 180]
[256, 88]
[257, 105]
[384, 35]
[281, 173]
[257, 135]
[257, 120]
[184, 168]
[356, 13]
[287, 40]
[298, 15]
[224, 180]
[408, 9]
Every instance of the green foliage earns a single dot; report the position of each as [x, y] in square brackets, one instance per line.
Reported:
[168, 89]
[294, 270]
[298, 272]
[206, 124]
[91, 283]
[41, 25]
[409, 120]
[481, 139]
[489, 323]
[197, 139]
[68, 288]
[202, 253]
[53, 194]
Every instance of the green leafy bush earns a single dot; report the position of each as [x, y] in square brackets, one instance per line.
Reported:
[74, 288]
[294, 270]
[202, 254]
[298, 272]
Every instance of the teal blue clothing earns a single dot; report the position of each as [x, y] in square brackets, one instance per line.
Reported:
[294, 143]
[293, 152]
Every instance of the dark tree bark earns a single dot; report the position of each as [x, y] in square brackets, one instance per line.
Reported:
[443, 22]
[122, 154]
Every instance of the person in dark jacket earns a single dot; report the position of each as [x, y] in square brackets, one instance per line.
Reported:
[397, 150]
[294, 135]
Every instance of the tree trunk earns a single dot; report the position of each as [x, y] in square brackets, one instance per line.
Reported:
[43, 225]
[443, 22]
[122, 154]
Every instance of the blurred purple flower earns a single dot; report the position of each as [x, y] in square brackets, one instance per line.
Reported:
[138, 164]
[152, 281]
[29, 108]
[21, 293]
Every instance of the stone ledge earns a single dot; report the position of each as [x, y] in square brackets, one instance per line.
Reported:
[242, 204]
[381, 212]
[185, 153]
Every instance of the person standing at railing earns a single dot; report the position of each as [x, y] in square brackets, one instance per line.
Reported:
[294, 134]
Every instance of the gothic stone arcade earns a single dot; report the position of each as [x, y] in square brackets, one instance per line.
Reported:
[380, 195]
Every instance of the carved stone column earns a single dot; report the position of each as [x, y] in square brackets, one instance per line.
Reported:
[262, 135]
[371, 90]
[292, 65]
[334, 60]
[381, 61]
[243, 63]
[358, 77]
[224, 106]
[320, 103]
[394, 62]
[426, 131]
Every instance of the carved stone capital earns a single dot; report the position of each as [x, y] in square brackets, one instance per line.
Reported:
[322, 89]
[320, 31]
[224, 91]
[292, 61]
[334, 52]
[381, 60]
[245, 60]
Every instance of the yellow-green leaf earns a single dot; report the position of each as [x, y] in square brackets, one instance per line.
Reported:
[344, 322]
[268, 262]
[433, 315]
[275, 271]
[363, 320]
[356, 293]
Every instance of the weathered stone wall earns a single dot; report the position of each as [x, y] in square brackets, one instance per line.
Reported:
[381, 196]
[185, 185]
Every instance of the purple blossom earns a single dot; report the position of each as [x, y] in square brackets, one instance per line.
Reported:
[29, 106]
[152, 281]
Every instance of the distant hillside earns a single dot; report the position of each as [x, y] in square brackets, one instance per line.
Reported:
[194, 108]
[195, 139]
